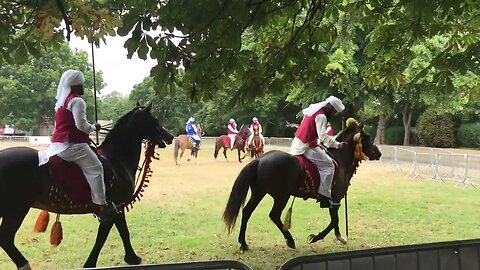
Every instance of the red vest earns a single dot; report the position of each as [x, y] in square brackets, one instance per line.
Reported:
[307, 131]
[229, 132]
[65, 129]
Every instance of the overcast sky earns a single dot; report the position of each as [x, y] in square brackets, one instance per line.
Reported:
[119, 73]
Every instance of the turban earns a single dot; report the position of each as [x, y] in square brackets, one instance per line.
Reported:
[69, 78]
[334, 101]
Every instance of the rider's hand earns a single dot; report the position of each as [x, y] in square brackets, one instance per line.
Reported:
[97, 126]
[342, 144]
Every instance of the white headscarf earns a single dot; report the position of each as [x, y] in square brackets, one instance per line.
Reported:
[191, 119]
[69, 78]
[334, 101]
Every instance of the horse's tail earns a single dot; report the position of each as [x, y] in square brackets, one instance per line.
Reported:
[239, 193]
[176, 148]
[215, 152]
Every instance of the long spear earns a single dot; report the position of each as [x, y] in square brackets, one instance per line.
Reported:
[94, 91]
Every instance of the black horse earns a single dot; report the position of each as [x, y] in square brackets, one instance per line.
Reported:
[281, 175]
[23, 184]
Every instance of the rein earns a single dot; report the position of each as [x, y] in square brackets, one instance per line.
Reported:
[144, 175]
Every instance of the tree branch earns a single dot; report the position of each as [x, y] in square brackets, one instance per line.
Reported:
[68, 23]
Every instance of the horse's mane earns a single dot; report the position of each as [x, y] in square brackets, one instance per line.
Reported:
[121, 123]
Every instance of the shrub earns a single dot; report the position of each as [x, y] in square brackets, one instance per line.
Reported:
[436, 129]
[469, 135]
[394, 135]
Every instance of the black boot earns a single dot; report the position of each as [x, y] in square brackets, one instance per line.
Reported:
[324, 201]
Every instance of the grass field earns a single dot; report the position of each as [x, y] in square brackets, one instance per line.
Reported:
[179, 219]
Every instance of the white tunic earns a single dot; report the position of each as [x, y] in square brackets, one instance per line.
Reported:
[298, 147]
[78, 108]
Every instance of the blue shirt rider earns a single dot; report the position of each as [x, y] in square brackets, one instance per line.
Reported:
[191, 129]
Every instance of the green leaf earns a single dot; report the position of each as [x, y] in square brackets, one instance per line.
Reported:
[33, 50]
[131, 44]
[143, 49]
[21, 54]
[129, 21]
[7, 57]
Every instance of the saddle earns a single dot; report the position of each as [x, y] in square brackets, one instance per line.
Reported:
[311, 179]
[227, 141]
[69, 188]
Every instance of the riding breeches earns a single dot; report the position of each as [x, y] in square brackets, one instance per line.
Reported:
[325, 167]
[232, 139]
[82, 155]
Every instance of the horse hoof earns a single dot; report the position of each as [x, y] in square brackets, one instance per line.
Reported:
[133, 260]
[25, 267]
[244, 248]
[312, 238]
[342, 239]
[291, 244]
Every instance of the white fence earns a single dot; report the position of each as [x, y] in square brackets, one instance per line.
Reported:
[434, 164]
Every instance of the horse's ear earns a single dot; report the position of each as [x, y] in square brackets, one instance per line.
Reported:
[361, 126]
[138, 104]
[148, 108]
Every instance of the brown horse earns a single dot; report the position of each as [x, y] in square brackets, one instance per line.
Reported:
[239, 144]
[281, 175]
[256, 146]
[183, 142]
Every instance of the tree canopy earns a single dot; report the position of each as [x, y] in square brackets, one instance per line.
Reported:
[27, 91]
[386, 58]
[268, 45]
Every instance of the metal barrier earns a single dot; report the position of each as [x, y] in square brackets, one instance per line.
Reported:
[455, 255]
[206, 265]
[433, 164]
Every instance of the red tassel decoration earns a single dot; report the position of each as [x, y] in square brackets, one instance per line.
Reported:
[56, 235]
[42, 222]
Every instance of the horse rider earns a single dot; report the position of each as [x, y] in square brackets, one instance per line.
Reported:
[232, 132]
[70, 140]
[255, 126]
[312, 128]
[192, 132]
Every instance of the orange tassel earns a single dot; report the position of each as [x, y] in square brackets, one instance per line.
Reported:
[56, 235]
[42, 222]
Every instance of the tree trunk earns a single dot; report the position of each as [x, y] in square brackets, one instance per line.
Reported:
[407, 120]
[383, 120]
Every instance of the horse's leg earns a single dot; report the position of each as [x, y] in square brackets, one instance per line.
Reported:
[333, 225]
[130, 256]
[8, 229]
[102, 234]
[181, 155]
[225, 153]
[244, 154]
[338, 234]
[247, 211]
[279, 204]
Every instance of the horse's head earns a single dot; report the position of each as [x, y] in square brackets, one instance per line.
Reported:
[200, 130]
[354, 135]
[149, 127]
[244, 132]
